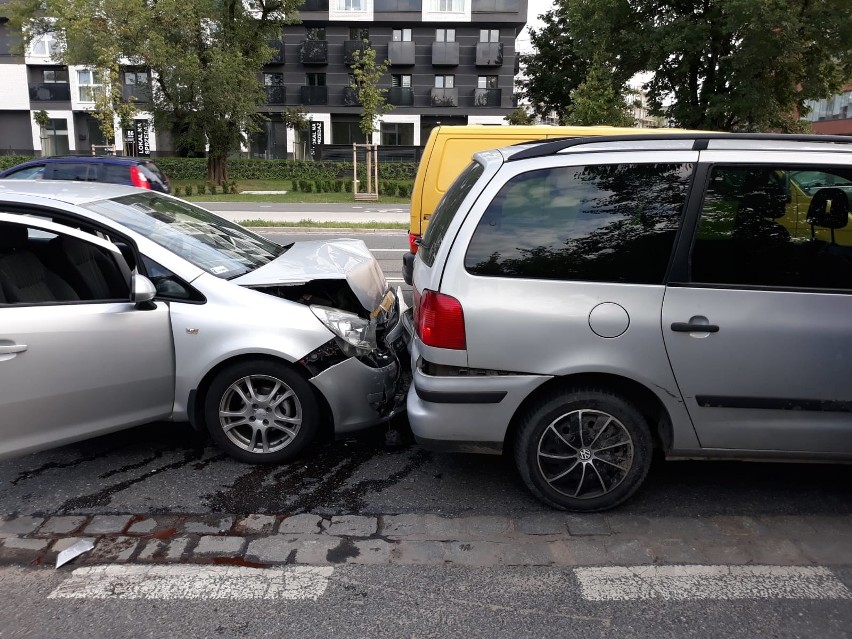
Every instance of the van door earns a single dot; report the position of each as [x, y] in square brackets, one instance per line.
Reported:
[758, 334]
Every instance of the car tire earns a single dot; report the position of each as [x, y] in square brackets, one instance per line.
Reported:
[261, 412]
[583, 449]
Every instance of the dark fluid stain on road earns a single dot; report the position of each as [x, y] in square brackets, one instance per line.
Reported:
[144, 462]
[344, 550]
[102, 497]
[238, 561]
[318, 483]
[35, 472]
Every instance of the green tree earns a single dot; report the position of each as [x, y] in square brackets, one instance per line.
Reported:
[596, 101]
[368, 73]
[714, 64]
[205, 57]
[520, 117]
[555, 69]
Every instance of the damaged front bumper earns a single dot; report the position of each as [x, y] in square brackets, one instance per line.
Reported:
[362, 391]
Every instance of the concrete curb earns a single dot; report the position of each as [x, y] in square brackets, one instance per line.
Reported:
[545, 539]
[322, 229]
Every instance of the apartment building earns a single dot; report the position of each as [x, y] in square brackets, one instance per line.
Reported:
[451, 62]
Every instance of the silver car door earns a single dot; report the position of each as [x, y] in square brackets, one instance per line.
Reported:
[74, 368]
[759, 338]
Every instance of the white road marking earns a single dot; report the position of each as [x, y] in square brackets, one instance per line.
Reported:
[395, 280]
[685, 583]
[378, 250]
[194, 582]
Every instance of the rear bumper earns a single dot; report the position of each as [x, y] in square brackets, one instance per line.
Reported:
[465, 414]
[408, 267]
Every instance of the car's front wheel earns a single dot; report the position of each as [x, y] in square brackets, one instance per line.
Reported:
[261, 412]
[583, 449]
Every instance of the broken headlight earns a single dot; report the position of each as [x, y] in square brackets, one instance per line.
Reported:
[357, 336]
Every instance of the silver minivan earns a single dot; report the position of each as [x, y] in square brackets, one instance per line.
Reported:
[580, 303]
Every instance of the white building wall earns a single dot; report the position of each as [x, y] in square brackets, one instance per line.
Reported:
[486, 119]
[399, 118]
[326, 129]
[448, 11]
[68, 116]
[15, 95]
[337, 11]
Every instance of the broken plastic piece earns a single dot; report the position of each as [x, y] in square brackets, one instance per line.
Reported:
[73, 551]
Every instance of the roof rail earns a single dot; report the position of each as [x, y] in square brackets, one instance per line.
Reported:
[549, 147]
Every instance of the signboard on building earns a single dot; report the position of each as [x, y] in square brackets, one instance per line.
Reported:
[143, 145]
[316, 136]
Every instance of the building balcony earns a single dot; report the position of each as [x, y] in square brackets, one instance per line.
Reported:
[401, 96]
[487, 97]
[445, 54]
[397, 6]
[278, 55]
[50, 92]
[313, 52]
[350, 47]
[489, 54]
[314, 95]
[444, 98]
[401, 53]
[495, 6]
[351, 97]
[276, 94]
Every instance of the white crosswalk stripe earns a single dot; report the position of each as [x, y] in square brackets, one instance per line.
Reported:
[685, 583]
[194, 582]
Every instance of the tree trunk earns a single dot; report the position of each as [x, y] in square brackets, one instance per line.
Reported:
[217, 169]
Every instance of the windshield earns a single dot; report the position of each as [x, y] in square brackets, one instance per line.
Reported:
[216, 245]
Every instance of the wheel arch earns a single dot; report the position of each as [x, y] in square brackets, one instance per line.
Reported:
[197, 395]
[647, 402]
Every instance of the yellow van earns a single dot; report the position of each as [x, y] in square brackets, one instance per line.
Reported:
[449, 149]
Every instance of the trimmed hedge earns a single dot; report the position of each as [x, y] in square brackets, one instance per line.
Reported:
[8, 161]
[246, 169]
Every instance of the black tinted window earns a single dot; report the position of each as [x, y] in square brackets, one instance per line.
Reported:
[446, 211]
[70, 171]
[614, 223]
[169, 286]
[116, 173]
[781, 226]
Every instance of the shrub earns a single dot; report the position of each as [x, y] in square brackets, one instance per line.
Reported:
[347, 185]
[187, 190]
[233, 190]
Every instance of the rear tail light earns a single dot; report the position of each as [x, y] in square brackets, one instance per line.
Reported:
[412, 242]
[138, 179]
[439, 320]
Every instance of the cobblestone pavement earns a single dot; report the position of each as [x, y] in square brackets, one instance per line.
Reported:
[547, 539]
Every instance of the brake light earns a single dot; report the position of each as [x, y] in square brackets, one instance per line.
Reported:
[412, 242]
[138, 179]
[439, 320]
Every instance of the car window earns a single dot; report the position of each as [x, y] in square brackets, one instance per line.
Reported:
[214, 244]
[29, 173]
[153, 168]
[446, 211]
[775, 226]
[601, 223]
[81, 172]
[42, 267]
[116, 173]
[169, 286]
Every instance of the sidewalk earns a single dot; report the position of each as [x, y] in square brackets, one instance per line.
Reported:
[282, 213]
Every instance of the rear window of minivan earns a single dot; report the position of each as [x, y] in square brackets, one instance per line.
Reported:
[446, 211]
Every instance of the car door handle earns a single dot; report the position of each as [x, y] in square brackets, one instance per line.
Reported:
[13, 348]
[689, 327]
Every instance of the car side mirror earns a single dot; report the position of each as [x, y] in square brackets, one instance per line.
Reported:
[142, 292]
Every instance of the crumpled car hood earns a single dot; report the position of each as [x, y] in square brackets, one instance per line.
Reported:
[325, 260]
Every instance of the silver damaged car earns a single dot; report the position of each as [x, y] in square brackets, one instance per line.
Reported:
[120, 307]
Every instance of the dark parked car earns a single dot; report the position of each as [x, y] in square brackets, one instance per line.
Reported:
[139, 172]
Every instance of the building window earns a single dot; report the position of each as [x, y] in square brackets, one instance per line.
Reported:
[132, 78]
[401, 81]
[314, 33]
[91, 85]
[397, 133]
[445, 81]
[445, 35]
[315, 79]
[273, 79]
[45, 44]
[489, 35]
[347, 133]
[54, 76]
[486, 82]
[56, 142]
[359, 33]
[447, 6]
[402, 35]
[350, 5]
